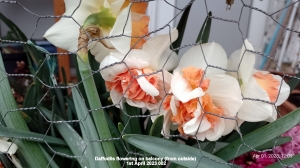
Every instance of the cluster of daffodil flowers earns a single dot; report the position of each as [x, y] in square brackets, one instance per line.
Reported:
[207, 95]
[211, 95]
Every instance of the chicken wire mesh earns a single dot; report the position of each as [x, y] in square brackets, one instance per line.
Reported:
[54, 96]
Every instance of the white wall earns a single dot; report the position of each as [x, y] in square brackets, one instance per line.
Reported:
[161, 14]
[257, 27]
[26, 21]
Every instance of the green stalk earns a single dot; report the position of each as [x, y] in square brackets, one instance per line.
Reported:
[30, 150]
[98, 115]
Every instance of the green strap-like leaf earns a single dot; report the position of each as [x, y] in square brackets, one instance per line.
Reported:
[260, 136]
[98, 115]
[16, 133]
[274, 142]
[30, 150]
[133, 126]
[205, 30]
[121, 129]
[5, 161]
[89, 131]
[71, 137]
[157, 126]
[116, 134]
[71, 106]
[30, 100]
[99, 81]
[166, 148]
[60, 149]
[60, 102]
[49, 158]
[51, 61]
[245, 128]
[210, 147]
[181, 27]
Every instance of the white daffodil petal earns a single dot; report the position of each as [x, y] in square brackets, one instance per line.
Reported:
[155, 46]
[132, 61]
[4, 138]
[8, 147]
[109, 73]
[16, 161]
[191, 127]
[116, 6]
[136, 59]
[157, 111]
[202, 56]
[64, 34]
[225, 92]
[173, 105]
[167, 124]
[238, 125]
[94, 3]
[116, 97]
[273, 117]
[248, 61]
[251, 110]
[106, 4]
[229, 126]
[233, 63]
[217, 131]
[139, 104]
[284, 90]
[201, 136]
[168, 60]
[243, 61]
[98, 50]
[182, 89]
[122, 28]
[164, 82]
[152, 106]
[136, 17]
[146, 86]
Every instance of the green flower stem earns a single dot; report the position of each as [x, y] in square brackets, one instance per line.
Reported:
[94, 102]
[30, 150]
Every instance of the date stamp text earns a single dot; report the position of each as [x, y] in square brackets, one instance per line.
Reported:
[278, 156]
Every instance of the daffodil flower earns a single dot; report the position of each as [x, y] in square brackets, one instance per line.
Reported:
[262, 86]
[113, 19]
[202, 96]
[9, 148]
[135, 75]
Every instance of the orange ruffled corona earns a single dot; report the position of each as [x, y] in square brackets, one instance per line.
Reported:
[139, 29]
[138, 7]
[126, 83]
[185, 111]
[194, 76]
[268, 83]
[140, 26]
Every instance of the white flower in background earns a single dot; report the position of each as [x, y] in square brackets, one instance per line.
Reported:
[9, 148]
[144, 91]
[196, 91]
[257, 84]
[113, 19]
